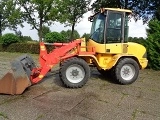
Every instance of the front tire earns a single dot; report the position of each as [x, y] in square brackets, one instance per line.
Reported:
[74, 72]
[126, 71]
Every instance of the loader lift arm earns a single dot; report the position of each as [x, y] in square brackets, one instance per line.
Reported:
[25, 73]
[47, 61]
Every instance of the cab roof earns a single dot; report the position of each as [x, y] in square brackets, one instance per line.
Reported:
[116, 9]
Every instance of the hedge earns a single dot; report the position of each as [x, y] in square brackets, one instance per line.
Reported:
[32, 48]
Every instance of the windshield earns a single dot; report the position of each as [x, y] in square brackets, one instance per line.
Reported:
[98, 26]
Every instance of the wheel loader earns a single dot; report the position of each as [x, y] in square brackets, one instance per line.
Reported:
[107, 49]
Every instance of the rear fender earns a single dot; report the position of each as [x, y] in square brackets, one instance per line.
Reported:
[116, 58]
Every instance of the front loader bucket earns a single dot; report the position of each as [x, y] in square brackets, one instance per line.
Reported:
[16, 81]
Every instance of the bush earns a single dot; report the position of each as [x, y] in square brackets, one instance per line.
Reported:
[24, 48]
[9, 38]
[54, 37]
[153, 44]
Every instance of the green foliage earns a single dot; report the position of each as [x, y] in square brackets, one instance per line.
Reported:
[139, 40]
[54, 37]
[72, 12]
[157, 14]
[9, 38]
[144, 9]
[68, 33]
[26, 38]
[86, 35]
[23, 38]
[46, 12]
[10, 15]
[23, 48]
[45, 30]
[0, 39]
[153, 44]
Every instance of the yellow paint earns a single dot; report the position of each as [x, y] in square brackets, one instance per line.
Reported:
[83, 44]
[107, 59]
[118, 9]
[115, 48]
[100, 48]
[43, 48]
[136, 49]
[40, 76]
[50, 66]
[143, 63]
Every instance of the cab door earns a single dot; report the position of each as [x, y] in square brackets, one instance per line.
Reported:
[114, 32]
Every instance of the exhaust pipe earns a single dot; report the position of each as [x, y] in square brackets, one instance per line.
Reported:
[16, 81]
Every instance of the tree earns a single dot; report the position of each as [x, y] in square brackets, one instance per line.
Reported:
[139, 40]
[153, 44]
[39, 12]
[145, 9]
[157, 14]
[86, 35]
[54, 37]
[72, 12]
[68, 33]
[21, 37]
[45, 30]
[26, 38]
[10, 15]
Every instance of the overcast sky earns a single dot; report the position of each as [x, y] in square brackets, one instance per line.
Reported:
[136, 29]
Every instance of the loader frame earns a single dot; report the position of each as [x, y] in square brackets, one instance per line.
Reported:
[63, 51]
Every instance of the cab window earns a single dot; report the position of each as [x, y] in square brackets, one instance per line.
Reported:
[98, 27]
[114, 27]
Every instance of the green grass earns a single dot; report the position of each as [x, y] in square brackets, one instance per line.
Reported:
[134, 114]
[39, 117]
[7, 101]
[3, 115]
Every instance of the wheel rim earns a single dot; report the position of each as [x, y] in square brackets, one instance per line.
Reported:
[75, 73]
[128, 72]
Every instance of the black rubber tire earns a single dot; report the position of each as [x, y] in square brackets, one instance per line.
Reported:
[70, 62]
[118, 67]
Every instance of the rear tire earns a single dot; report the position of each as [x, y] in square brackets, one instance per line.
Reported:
[126, 71]
[74, 72]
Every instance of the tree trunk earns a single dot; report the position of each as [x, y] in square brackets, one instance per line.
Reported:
[73, 25]
[40, 32]
[0, 25]
[40, 24]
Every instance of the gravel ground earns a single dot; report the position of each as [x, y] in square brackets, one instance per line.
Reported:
[99, 99]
